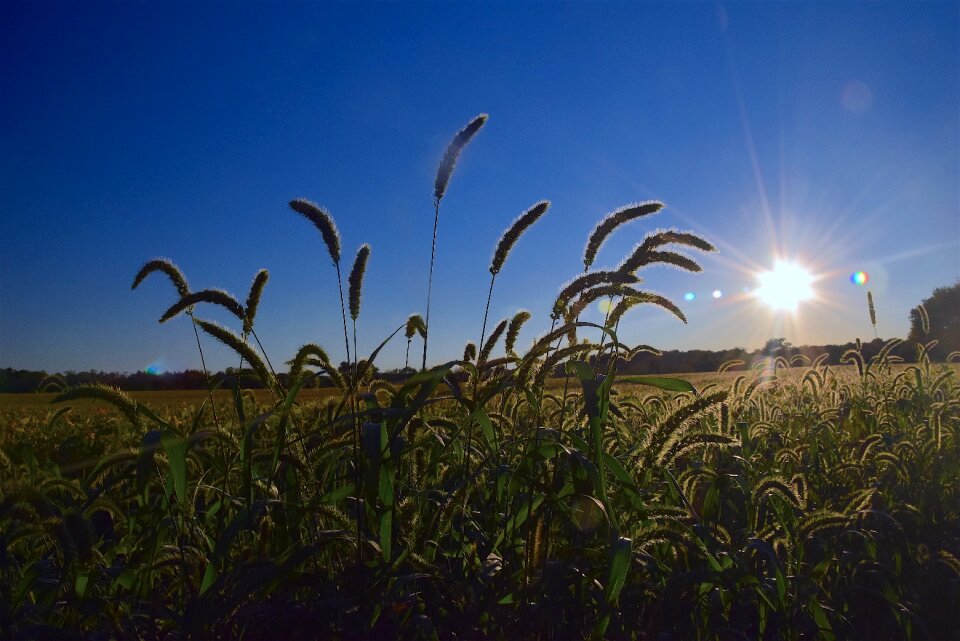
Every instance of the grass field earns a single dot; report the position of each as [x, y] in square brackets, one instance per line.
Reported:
[822, 503]
[478, 500]
[181, 399]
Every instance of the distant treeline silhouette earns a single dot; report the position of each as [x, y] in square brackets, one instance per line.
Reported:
[667, 362]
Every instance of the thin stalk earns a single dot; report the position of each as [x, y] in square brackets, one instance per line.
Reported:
[433, 255]
[606, 317]
[206, 373]
[343, 311]
[566, 379]
[352, 390]
[476, 385]
[213, 404]
[267, 358]
[483, 332]
[353, 408]
[476, 380]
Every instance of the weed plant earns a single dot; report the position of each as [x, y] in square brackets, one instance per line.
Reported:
[477, 501]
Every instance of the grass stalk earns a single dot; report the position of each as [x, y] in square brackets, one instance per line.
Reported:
[433, 255]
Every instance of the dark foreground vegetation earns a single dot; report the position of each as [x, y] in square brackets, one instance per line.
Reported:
[474, 501]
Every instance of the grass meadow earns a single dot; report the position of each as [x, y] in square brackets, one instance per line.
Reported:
[487, 497]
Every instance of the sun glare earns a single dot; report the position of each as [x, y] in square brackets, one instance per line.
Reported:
[785, 287]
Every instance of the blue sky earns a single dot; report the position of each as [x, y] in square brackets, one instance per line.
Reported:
[825, 133]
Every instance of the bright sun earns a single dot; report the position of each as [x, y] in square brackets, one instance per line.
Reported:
[784, 287]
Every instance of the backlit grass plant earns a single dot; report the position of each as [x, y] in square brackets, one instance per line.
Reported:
[485, 497]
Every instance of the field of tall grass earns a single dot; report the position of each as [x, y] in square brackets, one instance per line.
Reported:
[484, 497]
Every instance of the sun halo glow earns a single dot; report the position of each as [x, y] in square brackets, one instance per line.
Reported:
[784, 287]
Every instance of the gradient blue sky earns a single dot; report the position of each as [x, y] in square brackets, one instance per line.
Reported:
[827, 133]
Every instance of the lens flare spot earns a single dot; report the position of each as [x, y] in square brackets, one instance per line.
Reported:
[689, 296]
[717, 293]
[605, 306]
[155, 368]
[859, 278]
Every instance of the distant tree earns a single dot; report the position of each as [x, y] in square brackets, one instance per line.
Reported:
[20, 380]
[778, 347]
[943, 310]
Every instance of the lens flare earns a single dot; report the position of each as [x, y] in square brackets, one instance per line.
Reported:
[689, 296]
[785, 286]
[717, 293]
[156, 367]
[859, 278]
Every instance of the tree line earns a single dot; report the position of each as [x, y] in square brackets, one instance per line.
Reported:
[667, 362]
[942, 325]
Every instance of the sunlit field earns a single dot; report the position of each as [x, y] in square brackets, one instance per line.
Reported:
[172, 401]
[537, 494]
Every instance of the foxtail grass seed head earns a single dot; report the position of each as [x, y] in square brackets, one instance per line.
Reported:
[253, 299]
[641, 257]
[513, 330]
[873, 311]
[238, 345]
[613, 220]
[164, 266]
[450, 156]
[310, 350]
[625, 304]
[112, 395]
[512, 234]
[322, 221]
[674, 237]
[588, 280]
[212, 296]
[415, 325]
[469, 351]
[591, 295]
[491, 341]
[924, 319]
[356, 279]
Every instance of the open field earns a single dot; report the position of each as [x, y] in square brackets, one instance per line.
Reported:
[482, 499]
[821, 503]
[173, 400]
[161, 400]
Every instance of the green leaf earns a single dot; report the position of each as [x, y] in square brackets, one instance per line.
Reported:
[146, 411]
[209, 576]
[823, 623]
[619, 564]
[148, 447]
[176, 449]
[620, 553]
[80, 585]
[486, 426]
[282, 425]
[386, 534]
[246, 454]
[127, 579]
[581, 370]
[519, 518]
[335, 496]
[660, 382]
